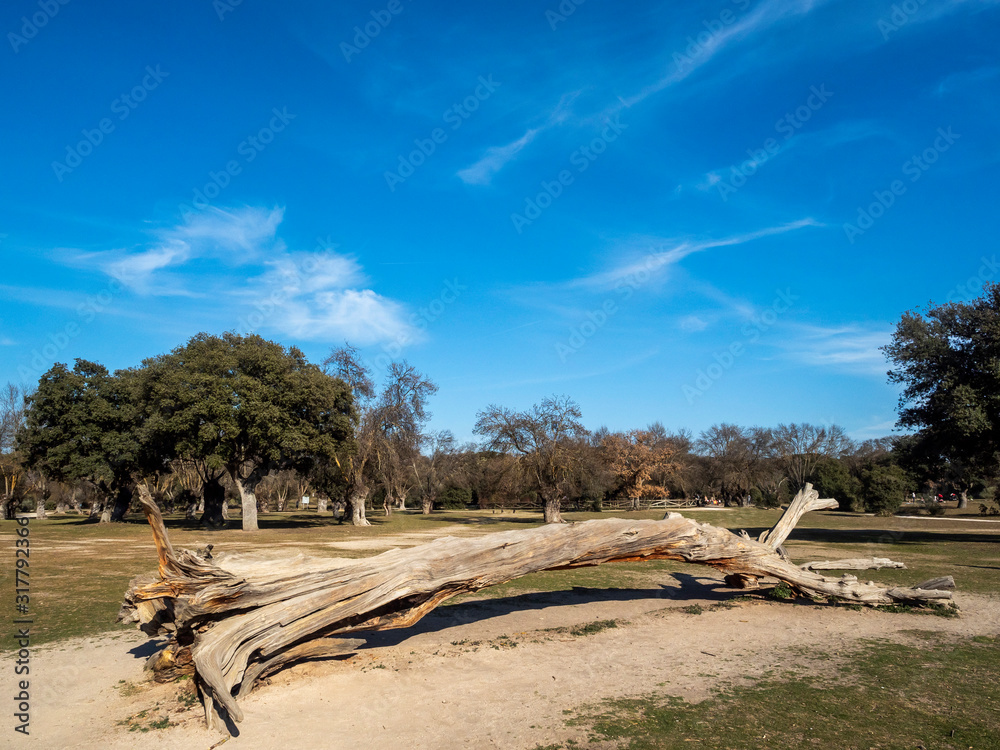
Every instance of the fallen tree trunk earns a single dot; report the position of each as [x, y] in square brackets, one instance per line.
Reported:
[236, 628]
[855, 563]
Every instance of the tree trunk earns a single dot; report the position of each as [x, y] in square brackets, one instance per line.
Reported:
[238, 626]
[356, 502]
[40, 507]
[402, 501]
[76, 501]
[213, 500]
[426, 504]
[123, 498]
[963, 500]
[387, 504]
[321, 503]
[551, 510]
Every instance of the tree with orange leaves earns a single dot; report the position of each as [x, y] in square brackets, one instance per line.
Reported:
[634, 457]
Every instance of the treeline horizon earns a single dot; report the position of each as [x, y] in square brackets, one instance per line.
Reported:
[241, 418]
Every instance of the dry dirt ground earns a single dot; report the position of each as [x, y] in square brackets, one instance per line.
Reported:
[492, 673]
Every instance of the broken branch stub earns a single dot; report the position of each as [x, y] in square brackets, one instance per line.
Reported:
[239, 627]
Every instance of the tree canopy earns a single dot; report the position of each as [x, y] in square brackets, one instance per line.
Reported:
[81, 425]
[947, 359]
[245, 404]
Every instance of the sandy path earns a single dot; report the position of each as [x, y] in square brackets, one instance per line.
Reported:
[432, 686]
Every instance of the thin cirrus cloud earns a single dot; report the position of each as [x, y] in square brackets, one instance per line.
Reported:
[760, 19]
[851, 348]
[663, 253]
[311, 295]
[497, 157]
[816, 142]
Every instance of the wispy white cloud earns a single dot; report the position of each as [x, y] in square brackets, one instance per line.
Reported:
[882, 428]
[249, 229]
[692, 324]
[360, 315]
[662, 253]
[819, 141]
[317, 294]
[231, 236]
[965, 79]
[852, 348]
[682, 65]
[497, 157]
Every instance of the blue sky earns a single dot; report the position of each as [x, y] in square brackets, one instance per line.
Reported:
[687, 212]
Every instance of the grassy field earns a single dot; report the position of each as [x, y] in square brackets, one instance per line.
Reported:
[80, 570]
[932, 693]
[881, 697]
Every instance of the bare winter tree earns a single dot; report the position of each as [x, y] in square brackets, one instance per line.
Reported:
[735, 456]
[799, 447]
[402, 409]
[355, 466]
[547, 437]
[432, 470]
[389, 429]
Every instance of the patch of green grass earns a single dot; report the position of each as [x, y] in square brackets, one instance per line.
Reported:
[141, 722]
[781, 592]
[695, 609]
[940, 695]
[591, 628]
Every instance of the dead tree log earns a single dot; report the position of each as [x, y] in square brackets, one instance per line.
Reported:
[855, 563]
[235, 628]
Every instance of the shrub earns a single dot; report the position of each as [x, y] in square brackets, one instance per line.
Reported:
[832, 479]
[884, 488]
[455, 498]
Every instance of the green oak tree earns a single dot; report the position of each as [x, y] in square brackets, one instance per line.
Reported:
[245, 405]
[80, 425]
[947, 360]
